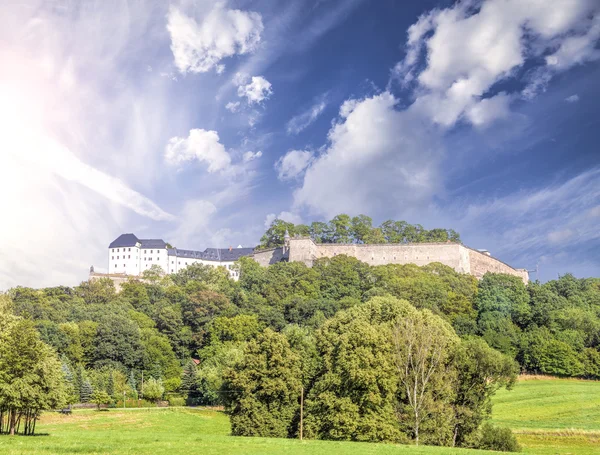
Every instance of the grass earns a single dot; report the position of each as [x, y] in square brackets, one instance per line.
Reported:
[550, 416]
[177, 431]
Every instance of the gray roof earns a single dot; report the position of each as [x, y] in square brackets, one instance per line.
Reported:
[124, 240]
[153, 243]
[212, 254]
[209, 254]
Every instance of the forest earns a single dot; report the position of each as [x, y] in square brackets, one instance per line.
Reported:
[395, 353]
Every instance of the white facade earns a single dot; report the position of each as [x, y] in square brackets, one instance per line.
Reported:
[129, 255]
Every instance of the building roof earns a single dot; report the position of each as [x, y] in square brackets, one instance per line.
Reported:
[213, 254]
[153, 243]
[124, 240]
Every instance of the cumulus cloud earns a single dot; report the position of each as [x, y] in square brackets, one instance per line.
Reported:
[256, 90]
[199, 44]
[251, 156]
[293, 163]
[376, 156]
[572, 98]
[306, 118]
[200, 145]
[468, 50]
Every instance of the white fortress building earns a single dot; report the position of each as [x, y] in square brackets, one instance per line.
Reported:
[128, 255]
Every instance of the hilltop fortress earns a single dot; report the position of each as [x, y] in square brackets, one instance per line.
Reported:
[461, 258]
[129, 256]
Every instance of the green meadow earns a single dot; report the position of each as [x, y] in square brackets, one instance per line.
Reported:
[550, 417]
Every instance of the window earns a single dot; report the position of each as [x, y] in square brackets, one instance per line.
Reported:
[113, 258]
[123, 265]
[115, 266]
[129, 256]
[117, 257]
[128, 249]
[113, 250]
[150, 251]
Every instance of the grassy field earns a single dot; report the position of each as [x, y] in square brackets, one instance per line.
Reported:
[551, 417]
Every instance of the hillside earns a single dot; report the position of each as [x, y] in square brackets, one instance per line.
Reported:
[552, 415]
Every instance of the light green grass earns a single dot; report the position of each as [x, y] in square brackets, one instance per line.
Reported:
[549, 416]
[552, 416]
[174, 432]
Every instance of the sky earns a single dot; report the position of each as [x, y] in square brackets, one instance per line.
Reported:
[200, 122]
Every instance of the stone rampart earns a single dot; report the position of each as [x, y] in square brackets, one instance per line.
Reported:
[455, 255]
[268, 257]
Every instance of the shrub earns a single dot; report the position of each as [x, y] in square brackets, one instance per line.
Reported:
[497, 438]
[176, 401]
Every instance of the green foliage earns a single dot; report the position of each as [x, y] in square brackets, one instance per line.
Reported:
[100, 397]
[153, 389]
[263, 391]
[31, 376]
[497, 438]
[359, 229]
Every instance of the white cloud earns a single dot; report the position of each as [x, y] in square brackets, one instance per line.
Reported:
[251, 156]
[303, 120]
[485, 111]
[469, 50]
[199, 45]
[193, 223]
[200, 145]
[233, 106]
[292, 164]
[256, 91]
[572, 98]
[284, 216]
[376, 157]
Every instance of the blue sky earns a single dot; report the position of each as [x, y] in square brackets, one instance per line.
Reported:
[201, 121]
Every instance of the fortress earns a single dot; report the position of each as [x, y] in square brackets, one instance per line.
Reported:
[461, 258]
[130, 256]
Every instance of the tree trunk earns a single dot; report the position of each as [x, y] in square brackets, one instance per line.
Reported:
[13, 422]
[417, 428]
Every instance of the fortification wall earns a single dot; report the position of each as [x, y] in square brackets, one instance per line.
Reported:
[460, 258]
[481, 263]
[268, 257]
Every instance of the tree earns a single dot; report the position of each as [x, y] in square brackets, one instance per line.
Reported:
[31, 376]
[354, 396]
[86, 391]
[100, 397]
[423, 344]
[263, 390]
[153, 389]
[361, 227]
[480, 372]
[341, 228]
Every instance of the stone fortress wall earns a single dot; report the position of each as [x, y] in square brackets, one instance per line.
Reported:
[461, 258]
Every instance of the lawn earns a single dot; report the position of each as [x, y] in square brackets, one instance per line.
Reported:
[173, 432]
[550, 416]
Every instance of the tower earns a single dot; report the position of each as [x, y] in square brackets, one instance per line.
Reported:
[286, 242]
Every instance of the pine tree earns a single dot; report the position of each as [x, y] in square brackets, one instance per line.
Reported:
[132, 383]
[85, 393]
[72, 396]
[189, 383]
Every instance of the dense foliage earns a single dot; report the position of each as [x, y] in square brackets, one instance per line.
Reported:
[359, 229]
[353, 339]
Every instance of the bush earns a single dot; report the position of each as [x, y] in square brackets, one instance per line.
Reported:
[176, 401]
[497, 438]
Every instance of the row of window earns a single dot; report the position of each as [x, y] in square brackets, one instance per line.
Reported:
[128, 249]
